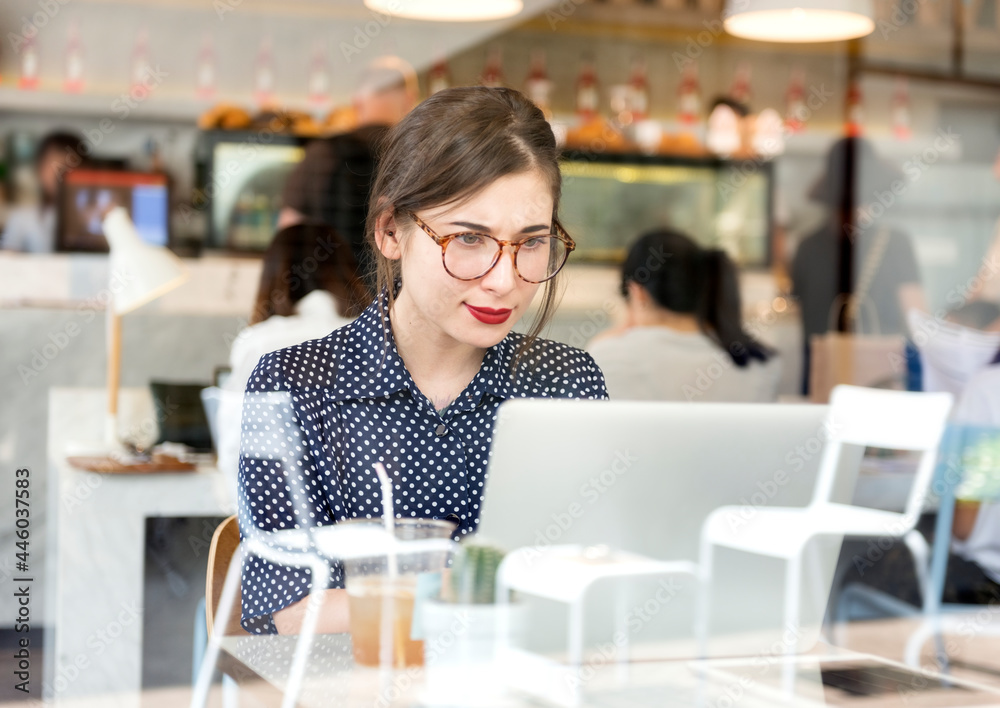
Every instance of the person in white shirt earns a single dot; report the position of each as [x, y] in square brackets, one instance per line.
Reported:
[308, 287]
[31, 227]
[974, 568]
[683, 339]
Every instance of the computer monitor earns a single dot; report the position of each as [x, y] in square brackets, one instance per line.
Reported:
[87, 193]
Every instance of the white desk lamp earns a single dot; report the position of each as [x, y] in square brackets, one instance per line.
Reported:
[139, 273]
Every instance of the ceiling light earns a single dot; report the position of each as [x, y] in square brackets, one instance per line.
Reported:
[448, 10]
[799, 20]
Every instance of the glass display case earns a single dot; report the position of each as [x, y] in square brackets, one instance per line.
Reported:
[243, 177]
[610, 199]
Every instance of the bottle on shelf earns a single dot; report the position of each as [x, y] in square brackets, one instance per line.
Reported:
[319, 77]
[538, 87]
[637, 97]
[689, 97]
[855, 112]
[740, 90]
[587, 92]
[205, 79]
[493, 71]
[28, 79]
[140, 68]
[439, 77]
[264, 74]
[900, 110]
[795, 104]
[73, 82]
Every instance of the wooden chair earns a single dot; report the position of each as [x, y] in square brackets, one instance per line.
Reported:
[225, 541]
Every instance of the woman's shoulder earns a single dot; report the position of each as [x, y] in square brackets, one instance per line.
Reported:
[308, 364]
[550, 368]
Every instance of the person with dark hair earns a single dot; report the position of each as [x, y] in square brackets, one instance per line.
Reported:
[308, 287]
[853, 244]
[32, 227]
[462, 223]
[332, 183]
[683, 339]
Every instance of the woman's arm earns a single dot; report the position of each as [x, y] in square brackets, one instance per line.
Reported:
[966, 514]
[334, 617]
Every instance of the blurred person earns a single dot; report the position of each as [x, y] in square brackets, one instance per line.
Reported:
[308, 288]
[32, 227]
[973, 575]
[883, 257]
[332, 182]
[683, 339]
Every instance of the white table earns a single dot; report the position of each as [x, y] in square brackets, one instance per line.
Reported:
[332, 679]
[95, 588]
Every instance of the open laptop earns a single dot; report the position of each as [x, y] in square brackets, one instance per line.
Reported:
[643, 476]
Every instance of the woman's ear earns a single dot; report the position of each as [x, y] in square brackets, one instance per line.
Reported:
[387, 235]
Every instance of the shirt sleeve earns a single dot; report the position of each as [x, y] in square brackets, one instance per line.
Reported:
[596, 387]
[278, 490]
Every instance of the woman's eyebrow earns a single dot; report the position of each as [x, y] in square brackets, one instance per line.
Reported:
[486, 229]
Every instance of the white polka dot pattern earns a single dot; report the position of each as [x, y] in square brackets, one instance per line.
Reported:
[355, 404]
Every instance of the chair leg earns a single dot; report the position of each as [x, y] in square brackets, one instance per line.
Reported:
[230, 692]
[793, 590]
[704, 602]
[199, 697]
[917, 545]
[575, 638]
[320, 580]
[200, 640]
[621, 628]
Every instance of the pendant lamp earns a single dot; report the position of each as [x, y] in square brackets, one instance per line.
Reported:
[448, 10]
[799, 20]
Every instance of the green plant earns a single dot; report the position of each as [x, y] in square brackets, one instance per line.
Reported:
[474, 573]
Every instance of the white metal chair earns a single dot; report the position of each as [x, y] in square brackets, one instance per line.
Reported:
[294, 547]
[858, 417]
[566, 573]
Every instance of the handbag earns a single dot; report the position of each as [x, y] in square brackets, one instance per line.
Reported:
[853, 357]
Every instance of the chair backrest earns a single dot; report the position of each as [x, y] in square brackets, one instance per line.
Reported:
[893, 420]
[210, 398]
[225, 541]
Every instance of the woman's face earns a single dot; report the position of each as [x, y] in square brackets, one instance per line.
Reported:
[479, 313]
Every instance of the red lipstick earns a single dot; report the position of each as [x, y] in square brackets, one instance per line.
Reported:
[488, 315]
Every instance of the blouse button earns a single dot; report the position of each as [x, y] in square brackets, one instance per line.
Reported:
[441, 430]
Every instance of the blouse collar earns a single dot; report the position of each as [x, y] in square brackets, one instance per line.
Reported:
[369, 365]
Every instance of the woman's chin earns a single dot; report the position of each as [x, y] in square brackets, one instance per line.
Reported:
[483, 336]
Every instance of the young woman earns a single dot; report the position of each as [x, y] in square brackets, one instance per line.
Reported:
[683, 339]
[464, 232]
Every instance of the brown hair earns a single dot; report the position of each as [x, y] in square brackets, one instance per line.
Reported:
[451, 146]
[303, 258]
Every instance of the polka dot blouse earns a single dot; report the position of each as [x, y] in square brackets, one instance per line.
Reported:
[353, 404]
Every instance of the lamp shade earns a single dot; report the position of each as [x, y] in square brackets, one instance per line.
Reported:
[799, 20]
[140, 272]
[448, 10]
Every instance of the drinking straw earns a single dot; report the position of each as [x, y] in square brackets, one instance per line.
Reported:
[387, 618]
[388, 516]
